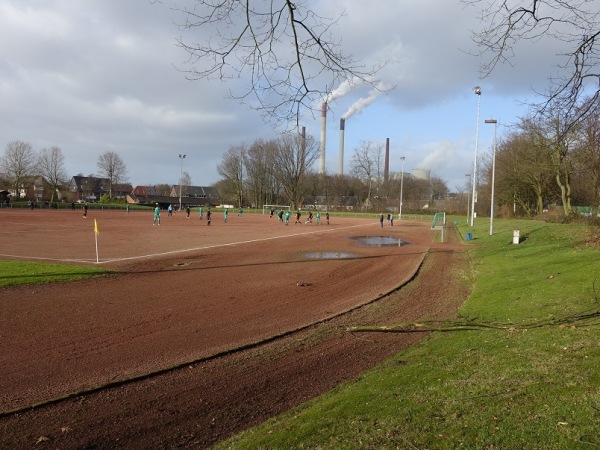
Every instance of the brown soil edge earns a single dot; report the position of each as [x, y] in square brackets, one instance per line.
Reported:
[201, 403]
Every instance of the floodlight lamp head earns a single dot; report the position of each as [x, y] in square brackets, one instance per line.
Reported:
[477, 90]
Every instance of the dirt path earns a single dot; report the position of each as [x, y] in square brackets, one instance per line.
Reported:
[205, 402]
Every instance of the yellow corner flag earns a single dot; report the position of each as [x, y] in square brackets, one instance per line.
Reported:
[96, 227]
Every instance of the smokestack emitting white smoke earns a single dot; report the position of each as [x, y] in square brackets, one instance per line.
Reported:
[341, 150]
[323, 135]
[345, 87]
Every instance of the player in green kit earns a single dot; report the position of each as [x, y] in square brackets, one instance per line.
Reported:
[156, 215]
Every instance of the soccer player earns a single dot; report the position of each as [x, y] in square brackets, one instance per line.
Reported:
[156, 215]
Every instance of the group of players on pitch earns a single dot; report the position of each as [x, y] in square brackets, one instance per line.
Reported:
[281, 217]
[285, 217]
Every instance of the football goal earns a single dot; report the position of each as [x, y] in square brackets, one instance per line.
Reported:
[439, 220]
[439, 223]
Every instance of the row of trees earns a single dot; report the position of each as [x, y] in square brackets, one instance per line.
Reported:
[20, 164]
[280, 171]
[545, 160]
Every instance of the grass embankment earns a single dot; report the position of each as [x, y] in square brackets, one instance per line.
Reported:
[519, 368]
[14, 273]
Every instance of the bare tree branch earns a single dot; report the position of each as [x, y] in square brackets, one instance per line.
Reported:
[285, 48]
[112, 167]
[51, 166]
[17, 163]
[574, 23]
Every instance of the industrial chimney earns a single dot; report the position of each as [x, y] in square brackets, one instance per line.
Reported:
[341, 151]
[323, 132]
[386, 170]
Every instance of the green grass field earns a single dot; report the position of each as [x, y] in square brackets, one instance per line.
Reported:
[13, 273]
[519, 368]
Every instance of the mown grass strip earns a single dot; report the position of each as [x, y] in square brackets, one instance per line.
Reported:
[13, 273]
[525, 386]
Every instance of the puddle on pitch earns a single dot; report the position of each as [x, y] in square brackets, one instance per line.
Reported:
[330, 255]
[380, 241]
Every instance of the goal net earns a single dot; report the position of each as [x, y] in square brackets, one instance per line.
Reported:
[439, 220]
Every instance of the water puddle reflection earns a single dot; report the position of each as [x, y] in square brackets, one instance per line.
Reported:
[380, 241]
[330, 255]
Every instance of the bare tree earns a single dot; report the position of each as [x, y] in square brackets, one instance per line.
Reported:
[112, 167]
[259, 161]
[366, 165]
[532, 166]
[285, 48]
[17, 163]
[561, 142]
[439, 189]
[231, 168]
[587, 157]
[294, 157]
[51, 166]
[186, 182]
[574, 23]
[163, 189]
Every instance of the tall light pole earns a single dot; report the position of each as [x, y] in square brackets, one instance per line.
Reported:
[495, 122]
[181, 157]
[468, 197]
[402, 158]
[477, 91]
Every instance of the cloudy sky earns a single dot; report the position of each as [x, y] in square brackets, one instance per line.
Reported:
[97, 75]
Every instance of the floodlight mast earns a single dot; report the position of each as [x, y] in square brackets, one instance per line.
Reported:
[402, 158]
[495, 123]
[476, 91]
[468, 196]
[181, 157]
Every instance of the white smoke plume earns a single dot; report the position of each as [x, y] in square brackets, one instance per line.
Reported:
[345, 87]
[441, 154]
[363, 102]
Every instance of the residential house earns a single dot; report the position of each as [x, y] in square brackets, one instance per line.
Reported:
[120, 191]
[87, 189]
[148, 195]
[194, 195]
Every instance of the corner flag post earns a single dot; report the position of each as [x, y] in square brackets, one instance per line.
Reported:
[96, 233]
